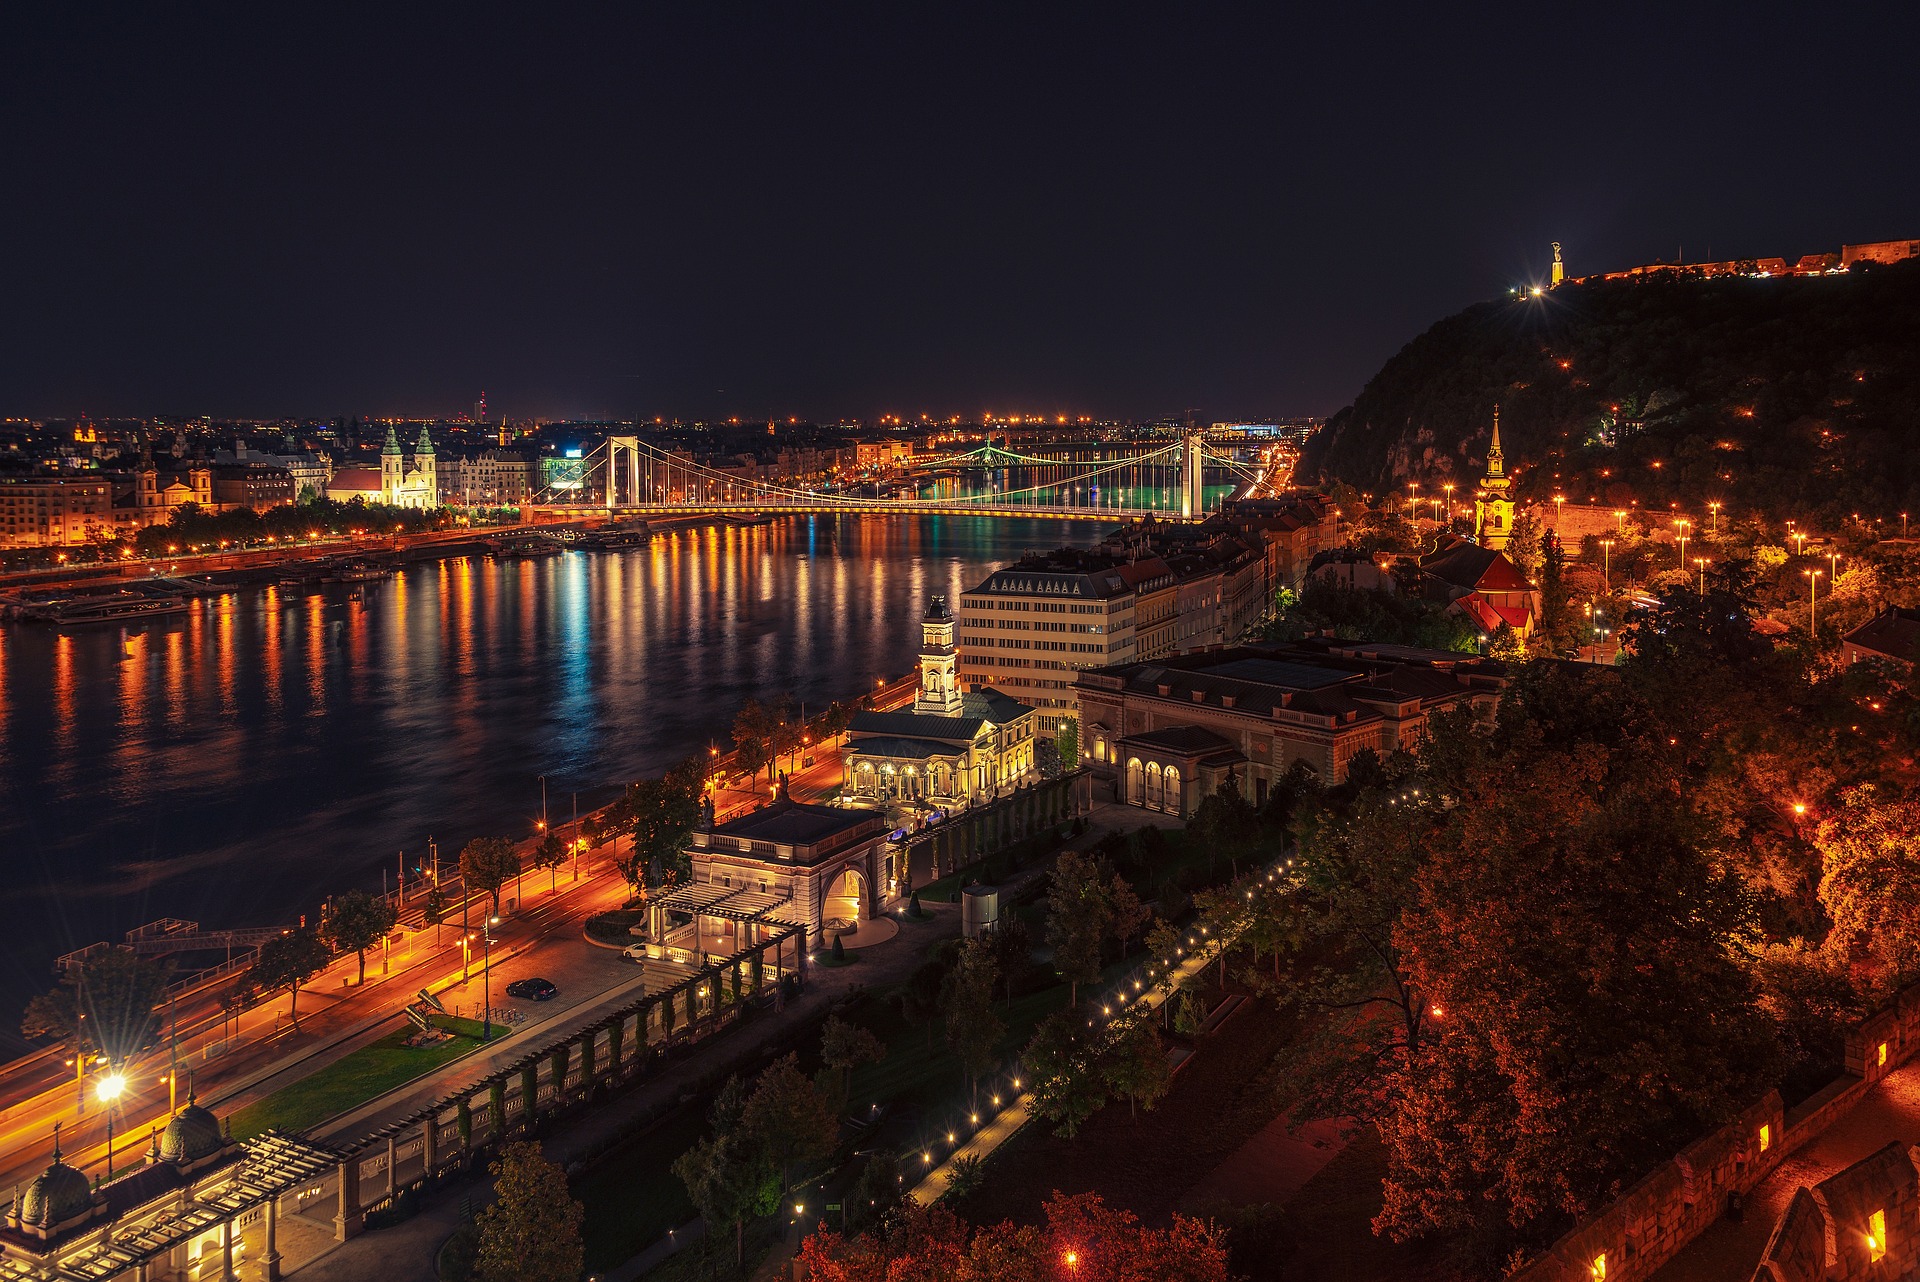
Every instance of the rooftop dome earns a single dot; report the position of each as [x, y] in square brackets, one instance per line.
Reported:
[193, 1134]
[56, 1195]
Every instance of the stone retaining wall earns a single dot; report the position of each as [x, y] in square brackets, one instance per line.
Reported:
[1630, 1238]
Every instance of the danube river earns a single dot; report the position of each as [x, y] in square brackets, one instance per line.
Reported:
[237, 765]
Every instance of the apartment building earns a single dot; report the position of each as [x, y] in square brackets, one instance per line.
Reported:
[486, 478]
[48, 511]
[1030, 626]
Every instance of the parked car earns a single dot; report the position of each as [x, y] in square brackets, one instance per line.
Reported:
[636, 953]
[537, 990]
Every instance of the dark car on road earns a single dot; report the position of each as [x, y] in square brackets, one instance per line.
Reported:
[537, 990]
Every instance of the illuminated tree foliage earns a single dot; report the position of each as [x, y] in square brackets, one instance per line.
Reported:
[1870, 880]
[357, 921]
[531, 1233]
[487, 864]
[107, 1004]
[1082, 1239]
[1577, 951]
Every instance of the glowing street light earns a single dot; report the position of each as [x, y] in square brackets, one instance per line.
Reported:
[109, 1089]
[1606, 565]
[1813, 591]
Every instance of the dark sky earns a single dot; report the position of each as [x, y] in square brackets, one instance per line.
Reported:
[826, 210]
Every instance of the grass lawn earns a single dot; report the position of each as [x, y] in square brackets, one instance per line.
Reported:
[632, 1195]
[366, 1074]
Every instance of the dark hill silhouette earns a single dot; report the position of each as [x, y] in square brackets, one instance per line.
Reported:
[1792, 397]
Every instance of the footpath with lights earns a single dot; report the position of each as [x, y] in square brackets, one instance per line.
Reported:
[1158, 982]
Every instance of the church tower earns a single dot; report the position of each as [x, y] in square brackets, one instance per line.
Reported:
[1493, 505]
[424, 471]
[939, 692]
[393, 469]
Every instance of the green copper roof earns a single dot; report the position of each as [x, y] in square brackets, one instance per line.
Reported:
[393, 443]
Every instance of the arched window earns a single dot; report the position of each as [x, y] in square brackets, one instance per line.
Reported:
[1154, 796]
[1136, 786]
[1174, 799]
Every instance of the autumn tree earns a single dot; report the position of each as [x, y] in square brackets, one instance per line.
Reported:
[357, 921]
[1082, 1238]
[1576, 946]
[1870, 878]
[487, 864]
[288, 961]
[531, 1233]
[974, 1028]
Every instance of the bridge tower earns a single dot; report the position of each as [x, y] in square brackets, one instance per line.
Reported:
[1193, 478]
[624, 488]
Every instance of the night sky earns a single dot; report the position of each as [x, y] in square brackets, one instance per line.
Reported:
[743, 209]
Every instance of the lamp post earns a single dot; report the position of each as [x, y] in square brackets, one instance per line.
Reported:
[1558, 500]
[1700, 563]
[109, 1089]
[486, 979]
[1813, 591]
[1620, 520]
[1799, 544]
[1606, 565]
[1715, 509]
[1833, 559]
[1448, 487]
[1683, 525]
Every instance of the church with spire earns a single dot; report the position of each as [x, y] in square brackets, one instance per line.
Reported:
[1477, 577]
[396, 484]
[1493, 503]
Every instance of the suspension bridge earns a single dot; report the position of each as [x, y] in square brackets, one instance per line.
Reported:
[627, 476]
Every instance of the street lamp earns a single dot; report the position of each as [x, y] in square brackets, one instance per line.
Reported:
[1813, 591]
[486, 980]
[1700, 563]
[1620, 519]
[1606, 565]
[1558, 500]
[1715, 509]
[1448, 487]
[109, 1089]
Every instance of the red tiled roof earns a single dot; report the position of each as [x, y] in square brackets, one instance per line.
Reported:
[1466, 566]
[356, 478]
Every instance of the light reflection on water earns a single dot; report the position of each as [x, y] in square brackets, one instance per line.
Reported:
[236, 765]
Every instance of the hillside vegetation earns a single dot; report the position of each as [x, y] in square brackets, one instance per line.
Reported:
[1788, 397]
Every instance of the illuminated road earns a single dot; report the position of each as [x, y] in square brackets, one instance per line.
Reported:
[542, 938]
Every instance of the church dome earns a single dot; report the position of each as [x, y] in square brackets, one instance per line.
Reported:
[56, 1195]
[193, 1133]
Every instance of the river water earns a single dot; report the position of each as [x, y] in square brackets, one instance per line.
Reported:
[236, 765]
